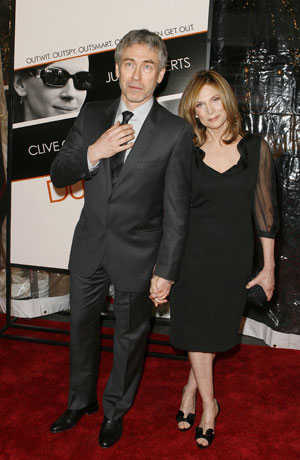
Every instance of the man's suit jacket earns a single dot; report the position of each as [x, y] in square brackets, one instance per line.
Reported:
[142, 221]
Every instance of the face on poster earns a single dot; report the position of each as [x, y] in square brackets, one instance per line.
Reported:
[54, 89]
[72, 63]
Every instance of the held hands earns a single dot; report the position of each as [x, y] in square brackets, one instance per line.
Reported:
[266, 279]
[159, 290]
[111, 142]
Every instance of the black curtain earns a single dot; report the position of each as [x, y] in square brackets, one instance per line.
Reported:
[256, 47]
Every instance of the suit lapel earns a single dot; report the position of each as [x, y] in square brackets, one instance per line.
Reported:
[106, 123]
[142, 144]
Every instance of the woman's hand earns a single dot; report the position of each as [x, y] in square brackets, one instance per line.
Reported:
[159, 290]
[266, 279]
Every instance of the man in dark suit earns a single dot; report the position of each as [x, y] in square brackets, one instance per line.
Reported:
[131, 230]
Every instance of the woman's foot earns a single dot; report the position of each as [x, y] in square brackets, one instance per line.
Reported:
[205, 431]
[186, 414]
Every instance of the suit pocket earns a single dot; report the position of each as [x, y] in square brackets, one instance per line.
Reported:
[147, 164]
[149, 230]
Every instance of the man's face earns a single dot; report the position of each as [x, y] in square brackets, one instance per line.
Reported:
[139, 72]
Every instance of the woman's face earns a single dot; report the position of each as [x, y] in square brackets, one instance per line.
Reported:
[42, 101]
[209, 108]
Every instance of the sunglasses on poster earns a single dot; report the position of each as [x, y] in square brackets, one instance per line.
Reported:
[58, 78]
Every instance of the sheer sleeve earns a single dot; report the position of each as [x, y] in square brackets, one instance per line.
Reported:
[265, 201]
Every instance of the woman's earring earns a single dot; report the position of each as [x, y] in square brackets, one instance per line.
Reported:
[198, 122]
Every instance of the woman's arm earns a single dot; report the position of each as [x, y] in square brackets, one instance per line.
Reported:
[266, 277]
[266, 218]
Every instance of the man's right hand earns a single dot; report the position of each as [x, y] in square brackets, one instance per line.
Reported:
[111, 142]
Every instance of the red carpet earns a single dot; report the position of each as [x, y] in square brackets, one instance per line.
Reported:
[257, 388]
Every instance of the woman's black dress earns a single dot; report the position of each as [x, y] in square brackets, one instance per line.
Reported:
[208, 299]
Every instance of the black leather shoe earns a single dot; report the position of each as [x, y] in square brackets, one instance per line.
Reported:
[69, 418]
[110, 433]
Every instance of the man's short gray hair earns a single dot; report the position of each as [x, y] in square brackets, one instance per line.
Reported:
[143, 37]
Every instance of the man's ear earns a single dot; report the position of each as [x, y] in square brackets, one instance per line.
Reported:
[161, 75]
[117, 70]
[19, 85]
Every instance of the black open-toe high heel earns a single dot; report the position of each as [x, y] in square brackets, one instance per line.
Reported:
[208, 435]
[190, 418]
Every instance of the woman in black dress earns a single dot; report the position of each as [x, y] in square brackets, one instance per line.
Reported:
[233, 186]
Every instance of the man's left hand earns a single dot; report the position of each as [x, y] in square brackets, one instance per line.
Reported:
[159, 290]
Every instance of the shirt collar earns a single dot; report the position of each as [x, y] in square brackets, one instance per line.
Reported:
[140, 112]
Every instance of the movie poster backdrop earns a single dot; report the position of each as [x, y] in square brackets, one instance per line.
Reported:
[43, 217]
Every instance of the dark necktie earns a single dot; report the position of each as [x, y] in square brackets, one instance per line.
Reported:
[116, 162]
